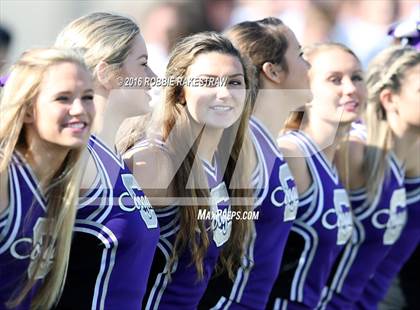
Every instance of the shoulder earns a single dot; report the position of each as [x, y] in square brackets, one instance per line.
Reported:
[296, 161]
[153, 168]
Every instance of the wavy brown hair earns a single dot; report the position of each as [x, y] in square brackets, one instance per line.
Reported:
[177, 132]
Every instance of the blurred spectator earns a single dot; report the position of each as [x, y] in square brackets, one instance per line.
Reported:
[5, 41]
[362, 25]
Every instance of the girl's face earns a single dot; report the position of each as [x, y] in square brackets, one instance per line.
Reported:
[337, 86]
[132, 91]
[63, 111]
[217, 106]
[408, 104]
[297, 77]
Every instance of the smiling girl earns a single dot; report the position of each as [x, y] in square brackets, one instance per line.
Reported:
[323, 223]
[281, 76]
[378, 168]
[116, 229]
[47, 111]
[199, 135]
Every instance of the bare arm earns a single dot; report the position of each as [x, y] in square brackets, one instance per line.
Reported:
[297, 164]
[153, 170]
[413, 161]
[4, 191]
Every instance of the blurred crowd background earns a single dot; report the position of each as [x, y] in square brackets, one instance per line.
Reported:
[360, 24]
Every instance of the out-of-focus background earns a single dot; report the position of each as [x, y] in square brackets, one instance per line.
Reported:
[360, 24]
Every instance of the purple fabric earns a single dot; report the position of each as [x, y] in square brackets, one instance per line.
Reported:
[21, 227]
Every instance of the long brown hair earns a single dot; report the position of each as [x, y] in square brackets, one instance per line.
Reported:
[176, 132]
[260, 42]
[21, 89]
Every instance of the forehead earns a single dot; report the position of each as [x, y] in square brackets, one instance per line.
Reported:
[138, 46]
[291, 38]
[64, 75]
[334, 59]
[215, 63]
[413, 74]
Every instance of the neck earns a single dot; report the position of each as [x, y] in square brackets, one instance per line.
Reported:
[273, 106]
[209, 142]
[44, 159]
[402, 144]
[329, 137]
[109, 117]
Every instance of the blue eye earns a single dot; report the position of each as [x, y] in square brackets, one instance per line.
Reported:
[357, 78]
[87, 97]
[335, 80]
[62, 98]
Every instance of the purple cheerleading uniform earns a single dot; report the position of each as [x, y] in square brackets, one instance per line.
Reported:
[378, 226]
[322, 227]
[22, 233]
[182, 289]
[116, 234]
[400, 252]
[276, 201]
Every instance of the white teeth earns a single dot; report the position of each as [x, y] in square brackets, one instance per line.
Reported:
[76, 125]
[221, 108]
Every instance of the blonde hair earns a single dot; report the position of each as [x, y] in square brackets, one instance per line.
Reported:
[296, 118]
[176, 132]
[386, 71]
[102, 36]
[21, 89]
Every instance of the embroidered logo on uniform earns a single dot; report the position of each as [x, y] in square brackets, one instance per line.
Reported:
[344, 218]
[397, 217]
[136, 201]
[286, 194]
[221, 224]
[25, 248]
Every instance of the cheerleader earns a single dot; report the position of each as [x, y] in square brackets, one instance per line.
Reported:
[382, 244]
[274, 51]
[116, 229]
[47, 111]
[323, 223]
[200, 133]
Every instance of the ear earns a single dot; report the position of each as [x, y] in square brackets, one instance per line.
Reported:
[388, 101]
[273, 72]
[104, 76]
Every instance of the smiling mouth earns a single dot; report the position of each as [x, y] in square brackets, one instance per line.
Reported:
[221, 108]
[353, 104]
[76, 125]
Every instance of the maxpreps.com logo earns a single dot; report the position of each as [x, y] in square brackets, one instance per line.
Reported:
[286, 194]
[137, 201]
[30, 248]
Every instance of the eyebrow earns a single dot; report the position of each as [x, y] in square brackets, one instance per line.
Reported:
[142, 56]
[340, 72]
[216, 76]
[68, 92]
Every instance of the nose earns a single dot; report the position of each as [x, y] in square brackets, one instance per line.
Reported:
[77, 107]
[307, 64]
[151, 74]
[223, 93]
[349, 87]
